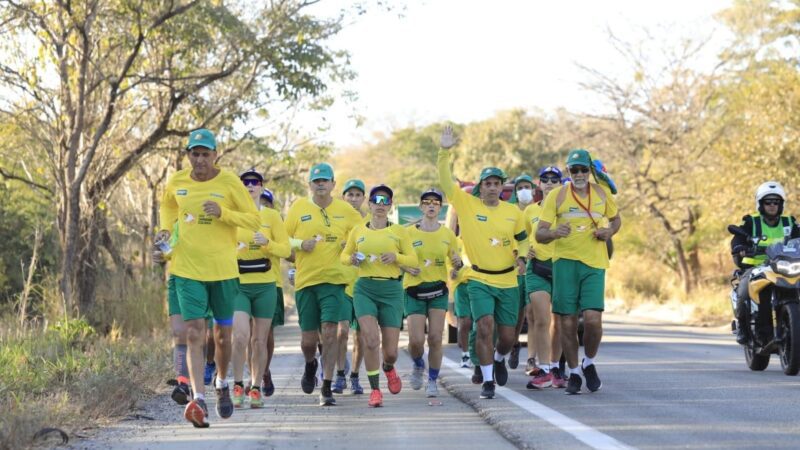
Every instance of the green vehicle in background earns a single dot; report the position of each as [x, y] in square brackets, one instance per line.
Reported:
[409, 213]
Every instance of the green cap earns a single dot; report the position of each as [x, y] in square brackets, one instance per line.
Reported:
[523, 177]
[492, 172]
[321, 171]
[202, 138]
[354, 183]
[579, 157]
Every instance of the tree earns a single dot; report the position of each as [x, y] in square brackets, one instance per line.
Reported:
[97, 86]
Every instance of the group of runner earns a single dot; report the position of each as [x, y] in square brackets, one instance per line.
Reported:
[224, 240]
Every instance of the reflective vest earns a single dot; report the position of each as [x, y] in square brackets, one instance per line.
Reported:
[769, 235]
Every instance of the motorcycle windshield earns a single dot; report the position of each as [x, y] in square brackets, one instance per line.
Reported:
[788, 251]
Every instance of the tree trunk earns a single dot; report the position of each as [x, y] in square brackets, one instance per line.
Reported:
[70, 234]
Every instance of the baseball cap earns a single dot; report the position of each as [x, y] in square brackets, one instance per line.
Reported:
[432, 192]
[253, 173]
[381, 187]
[579, 157]
[492, 172]
[354, 183]
[321, 171]
[202, 137]
[551, 169]
[523, 177]
[268, 196]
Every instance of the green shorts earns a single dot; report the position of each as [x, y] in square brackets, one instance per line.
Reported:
[346, 310]
[461, 305]
[278, 319]
[414, 306]
[353, 320]
[382, 299]
[318, 304]
[523, 298]
[257, 299]
[537, 283]
[577, 287]
[198, 298]
[502, 303]
[173, 306]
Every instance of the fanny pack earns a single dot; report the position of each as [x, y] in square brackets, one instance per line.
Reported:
[493, 272]
[437, 289]
[542, 269]
[254, 265]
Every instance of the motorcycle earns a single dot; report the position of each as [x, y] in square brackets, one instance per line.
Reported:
[778, 278]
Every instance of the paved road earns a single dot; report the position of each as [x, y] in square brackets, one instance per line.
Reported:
[664, 386]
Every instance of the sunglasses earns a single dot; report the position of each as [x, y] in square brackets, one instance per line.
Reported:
[578, 169]
[251, 182]
[554, 180]
[772, 202]
[381, 200]
[430, 201]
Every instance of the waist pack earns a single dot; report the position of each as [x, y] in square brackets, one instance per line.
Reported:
[437, 289]
[254, 265]
[542, 269]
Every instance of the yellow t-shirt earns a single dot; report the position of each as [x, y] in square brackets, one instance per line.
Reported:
[374, 243]
[491, 234]
[462, 275]
[278, 247]
[580, 245]
[532, 213]
[330, 227]
[206, 245]
[353, 270]
[433, 249]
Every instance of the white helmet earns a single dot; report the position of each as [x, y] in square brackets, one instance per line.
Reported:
[769, 188]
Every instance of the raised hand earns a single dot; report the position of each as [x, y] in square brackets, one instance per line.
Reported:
[448, 139]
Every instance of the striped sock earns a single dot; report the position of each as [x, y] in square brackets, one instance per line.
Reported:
[374, 379]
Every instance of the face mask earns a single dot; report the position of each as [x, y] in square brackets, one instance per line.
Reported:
[524, 196]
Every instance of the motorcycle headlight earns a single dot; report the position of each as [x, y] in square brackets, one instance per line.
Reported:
[790, 269]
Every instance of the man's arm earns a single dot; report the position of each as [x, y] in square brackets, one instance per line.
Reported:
[244, 213]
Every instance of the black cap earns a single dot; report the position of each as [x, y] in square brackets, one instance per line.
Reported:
[432, 192]
[381, 187]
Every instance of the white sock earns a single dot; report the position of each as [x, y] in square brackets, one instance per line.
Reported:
[498, 357]
[587, 362]
[488, 372]
[465, 354]
[554, 364]
[221, 383]
[544, 369]
[199, 396]
[574, 370]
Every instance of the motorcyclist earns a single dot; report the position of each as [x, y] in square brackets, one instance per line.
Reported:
[771, 226]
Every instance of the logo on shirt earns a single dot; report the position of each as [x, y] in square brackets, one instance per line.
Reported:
[305, 218]
[573, 209]
[534, 220]
[360, 240]
[214, 194]
[181, 192]
[494, 242]
[417, 244]
[481, 218]
[338, 217]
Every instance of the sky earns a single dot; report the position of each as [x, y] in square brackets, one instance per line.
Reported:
[464, 60]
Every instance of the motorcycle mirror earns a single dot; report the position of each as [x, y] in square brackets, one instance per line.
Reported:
[733, 229]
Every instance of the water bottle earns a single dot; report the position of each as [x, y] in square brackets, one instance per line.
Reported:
[164, 247]
[290, 274]
[360, 256]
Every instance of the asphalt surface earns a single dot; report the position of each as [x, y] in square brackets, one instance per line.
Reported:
[664, 386]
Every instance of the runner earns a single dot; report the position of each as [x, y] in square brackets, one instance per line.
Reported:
[426, 293]
[354, 194]
[458, 284]
[257, 297]
[208, 204]
[522, 197]
[542, 331]
[580, 258]
[493, 233]
[267, 386]
[322, 223]
[379, 248]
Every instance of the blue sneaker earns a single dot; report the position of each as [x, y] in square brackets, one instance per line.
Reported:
[355, 386]
[339, 385]
[209, 373]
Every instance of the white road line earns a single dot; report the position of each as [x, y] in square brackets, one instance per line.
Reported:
[583, 433]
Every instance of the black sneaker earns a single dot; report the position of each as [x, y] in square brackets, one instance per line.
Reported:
[500, 372]
[574, 384]
[224, 403]
[182, 394]
[477, 375]
[487, 389]
[309, 380]
[593, 382]
[326, 397]
[267, 386]
[513, 359]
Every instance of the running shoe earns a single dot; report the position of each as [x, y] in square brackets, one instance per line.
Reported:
[326, 397]
[541, 381]
[431, 390]
[196, 412]
[593, 382]
[208, 374]
[531, 369]
[182, 393]
[224, 403]
[477, 375]
[394, 382]
[465, 362]
[339, 385]
[513, 359]
[416, 377]
[500, 372]
[255, 398]
[558, 380]
[238, 396]
[375, 398]
[487, 390]
[574, 384]
[355, 386]
[267, 387]
[309, 380]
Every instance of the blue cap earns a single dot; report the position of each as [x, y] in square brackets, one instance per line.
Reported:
[202, 138]
[253, 173]
[267, 195]
[321, 171]
[551, 169]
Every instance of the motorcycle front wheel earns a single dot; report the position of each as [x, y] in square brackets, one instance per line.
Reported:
[754, 361]
[789, 331]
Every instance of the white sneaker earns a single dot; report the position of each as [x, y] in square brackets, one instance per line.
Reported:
[431, 390]
[466, 363]
[416, 377]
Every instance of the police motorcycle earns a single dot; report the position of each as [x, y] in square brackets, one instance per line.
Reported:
[779, 279]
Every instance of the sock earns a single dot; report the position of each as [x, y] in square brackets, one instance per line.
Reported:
[199, 396]
[326, 386]
[544, 369]
[238, 383]
[221, 383]
[433, 374]
[353, 374]
[571, 370]
[554, 364]
[587, 362]
[340, 373]
[179, 359]
[212, 364]
[386, 367]
[464, 355]
[488, 372]
[498, 357]
[374, 379]
[419, 362]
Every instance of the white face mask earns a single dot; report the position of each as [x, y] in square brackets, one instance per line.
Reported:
[524, 196]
